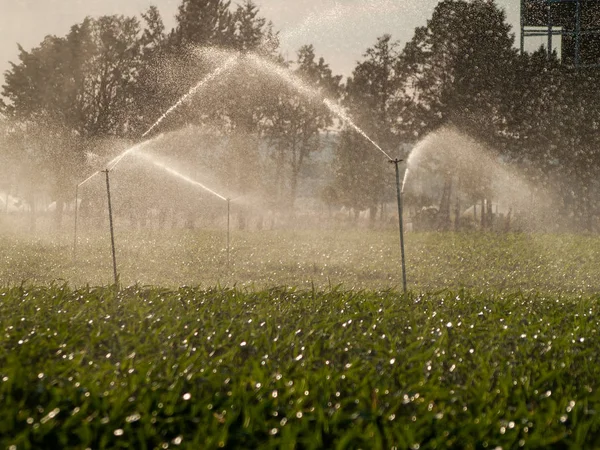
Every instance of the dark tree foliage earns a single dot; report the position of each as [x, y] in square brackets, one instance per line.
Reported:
[204, 23]
[370, 97]
[82, 82]
[68, 91]
[296, 122]
[113, 77]
[151, 95]
[555, 117]
[455, 68]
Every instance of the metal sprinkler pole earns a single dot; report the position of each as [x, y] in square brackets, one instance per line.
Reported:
[228, 228]
[112, 233]
[75, 232]
[399, 195]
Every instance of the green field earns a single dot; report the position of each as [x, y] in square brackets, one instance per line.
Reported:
[147, 368]
[495, 346]
[352, 259]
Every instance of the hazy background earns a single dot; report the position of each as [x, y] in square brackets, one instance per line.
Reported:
[340, 30]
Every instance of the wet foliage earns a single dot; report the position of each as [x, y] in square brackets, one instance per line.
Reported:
[285, 368]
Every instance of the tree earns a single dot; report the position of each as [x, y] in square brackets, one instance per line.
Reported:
[370, 98]
[458, 70]
[82, 82]
[153, 94]
[39, 88]
[297, 119]
[351, 181]
[455, 69]
[235, 102]
[204, 23]
[72, 90]
[253, 32]
[554, 132]
[111, 74]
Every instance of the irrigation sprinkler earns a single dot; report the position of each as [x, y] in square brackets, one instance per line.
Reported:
[112, 233]
[195, 183]
[399, 193]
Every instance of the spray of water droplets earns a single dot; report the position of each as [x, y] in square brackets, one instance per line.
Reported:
[264, 65]
[177, 174]
[341, 15]
[287, 76]
[211, 76]
[404, 180]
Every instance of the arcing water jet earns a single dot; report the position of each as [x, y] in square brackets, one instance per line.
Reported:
[179, 175]
[287, 76]
[228, 63]
[211, 76]
[283, 74]
[194, 183]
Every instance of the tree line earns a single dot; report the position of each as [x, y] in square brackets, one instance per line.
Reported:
[109, 78]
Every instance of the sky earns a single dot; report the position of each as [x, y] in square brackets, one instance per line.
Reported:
[340, 30]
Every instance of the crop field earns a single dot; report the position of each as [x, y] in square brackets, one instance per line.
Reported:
[304, 341]
[279, 368]
[349, 259]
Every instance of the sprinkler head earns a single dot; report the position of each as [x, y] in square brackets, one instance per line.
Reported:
[395, 161]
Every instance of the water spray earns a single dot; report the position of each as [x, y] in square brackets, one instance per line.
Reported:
[404, 180]
[195, 183]
[89, 178]
[283, 74]
[399, 192]
[112, 232]
[310, 92]
[192, 91]
[112, 164]
[338, 111]
[179, 175]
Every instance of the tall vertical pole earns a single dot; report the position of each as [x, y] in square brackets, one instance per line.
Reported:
[112, 233]
[75, 232]
[228, 228]
[400, 221]
[577, 33]
[522, 26]
[549, 31]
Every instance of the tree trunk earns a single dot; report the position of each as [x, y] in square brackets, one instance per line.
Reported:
[189, 220]
[293, 190]
[241, 217]
[457, 215]
[32, 215]
[372, 216]
[483, 218]
[162, 218]
[58, 213]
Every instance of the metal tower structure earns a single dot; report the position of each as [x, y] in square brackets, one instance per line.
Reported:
[575, 22]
